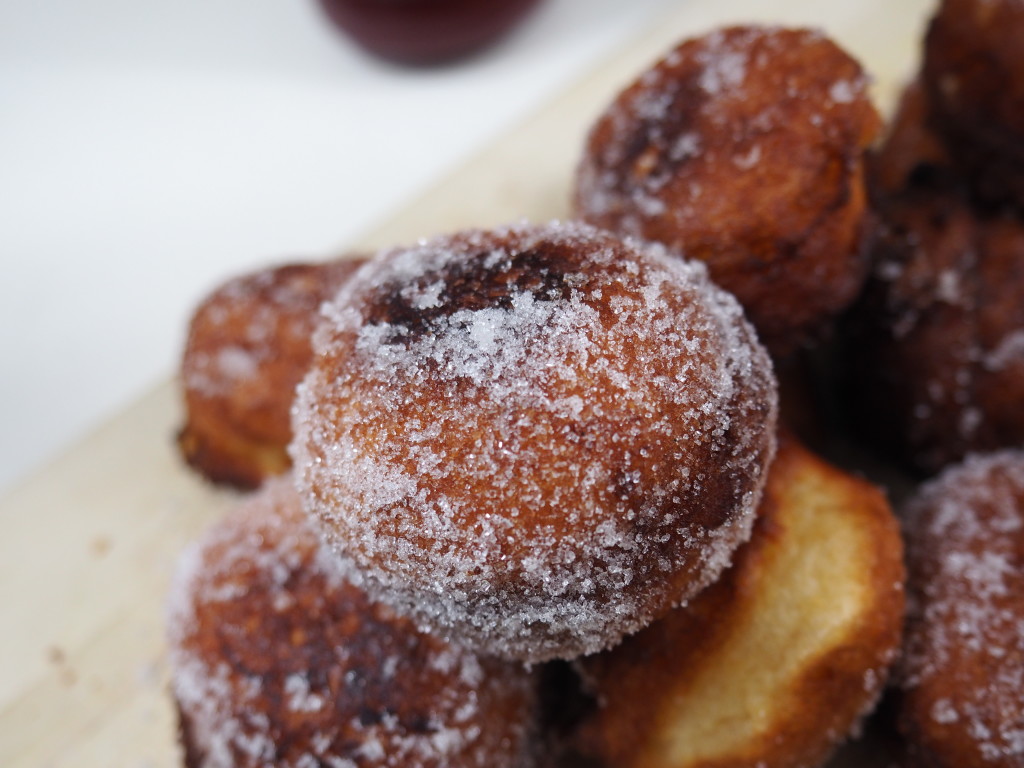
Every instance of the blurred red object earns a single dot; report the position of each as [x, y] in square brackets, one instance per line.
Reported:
[426, 31]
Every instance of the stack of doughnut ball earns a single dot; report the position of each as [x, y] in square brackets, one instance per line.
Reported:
[523, 445]
[935, 347]
[535, 504]
[937, 341]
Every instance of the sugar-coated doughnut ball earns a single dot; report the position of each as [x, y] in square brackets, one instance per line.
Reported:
[912, 152]
[779, 660]
[534, 439]
[974, 74]
[962, 699]
[936, 343]
[248, 347]
[744, 148]
[278, 660]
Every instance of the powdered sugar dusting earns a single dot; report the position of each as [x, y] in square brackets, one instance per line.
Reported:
[966, 550]
[278, 660]
[534, 461]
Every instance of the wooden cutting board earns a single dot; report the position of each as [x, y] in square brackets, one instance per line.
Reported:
[88, 543]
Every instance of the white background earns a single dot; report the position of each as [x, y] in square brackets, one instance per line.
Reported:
[150, 149]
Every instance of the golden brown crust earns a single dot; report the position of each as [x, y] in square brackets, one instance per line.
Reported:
[535, 438]
[278, 660]
[963, 673]
[248, 347]
[744, 148]
[776, 663]
[974, 74]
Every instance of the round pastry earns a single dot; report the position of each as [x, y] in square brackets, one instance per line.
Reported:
[777, 662]
[912, 153]
[963, 668]
[534, 439]
[278, 660]
[744, 148]
[248, 347]
[936, 345]
[974, 72]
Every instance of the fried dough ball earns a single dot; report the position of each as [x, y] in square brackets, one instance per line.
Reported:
[974, 73]
[248, 347]
[937, 343]
[278, 660]
[744, 149]
[912, 153]
[776, 663]
[534, 439]
[963, 671]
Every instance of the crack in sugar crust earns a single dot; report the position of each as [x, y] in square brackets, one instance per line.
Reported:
[569, 439]
[278, 660]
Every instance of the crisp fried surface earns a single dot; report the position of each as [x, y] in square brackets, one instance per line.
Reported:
[974, 74]
[963, 672]
[535, 438]
[776, 663]
[278, 660]
[744, 148]
[248, 346]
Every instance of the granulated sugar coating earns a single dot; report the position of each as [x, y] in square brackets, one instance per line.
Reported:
[534, 439]
[964, 666]
[278, 661]
[248, 346]
[744, 148]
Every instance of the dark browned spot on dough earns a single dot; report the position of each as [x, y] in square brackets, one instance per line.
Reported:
[479, 281]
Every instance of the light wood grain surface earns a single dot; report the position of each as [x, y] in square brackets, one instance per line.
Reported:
[88, 543]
